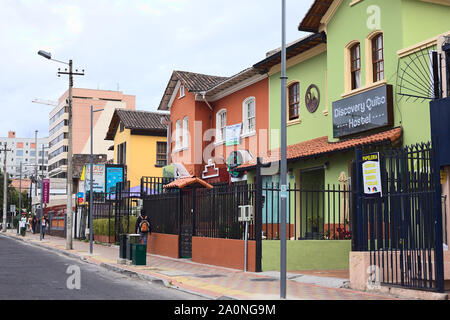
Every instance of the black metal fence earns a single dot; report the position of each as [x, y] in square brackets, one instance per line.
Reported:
[399, 227]
[313, 213]
[163, 211]
[153, 185]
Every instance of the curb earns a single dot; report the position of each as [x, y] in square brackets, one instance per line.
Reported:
[119, 270]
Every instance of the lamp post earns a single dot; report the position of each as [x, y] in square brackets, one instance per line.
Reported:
[91, 190]
[69, 213]
[283, 165]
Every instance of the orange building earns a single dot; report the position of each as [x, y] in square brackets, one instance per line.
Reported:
[217, 122]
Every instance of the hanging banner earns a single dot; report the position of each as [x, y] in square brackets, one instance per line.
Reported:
[98, 181]
[371, 174]
[233, 134]
[46, 191]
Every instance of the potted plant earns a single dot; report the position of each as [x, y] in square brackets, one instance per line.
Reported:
[315, 223]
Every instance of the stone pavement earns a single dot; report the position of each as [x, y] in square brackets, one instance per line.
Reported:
[210, 282]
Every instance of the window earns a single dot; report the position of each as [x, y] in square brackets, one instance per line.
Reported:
[185, 132]
[19, 153]
[249, 116]
[181, 92]
[355, 66]
[221, 125]
[121, 126]
[294, 101]
[161, 154]
[178, 135]
[378, 58]
[122, 154]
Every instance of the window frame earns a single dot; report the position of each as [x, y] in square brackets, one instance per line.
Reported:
[290, 103]
[245, 116]
[357, 70]
[380, 62]
[185, 131]
[178, 134]
[221, 130]
[182, 92]
[160, 155]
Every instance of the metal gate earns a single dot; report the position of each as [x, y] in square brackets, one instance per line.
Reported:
[187, 222]
[402, 228]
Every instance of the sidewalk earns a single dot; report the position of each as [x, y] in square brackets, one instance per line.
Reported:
[207, 281]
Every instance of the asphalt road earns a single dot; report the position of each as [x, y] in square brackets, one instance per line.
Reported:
[32, 273]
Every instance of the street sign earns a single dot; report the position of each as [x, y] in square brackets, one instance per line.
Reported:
[12, 208]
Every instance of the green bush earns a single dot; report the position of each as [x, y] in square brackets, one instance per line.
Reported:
[101, 226]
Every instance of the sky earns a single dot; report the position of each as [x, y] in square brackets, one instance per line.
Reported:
[127, 45]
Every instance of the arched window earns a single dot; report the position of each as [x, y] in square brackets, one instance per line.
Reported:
[185, 132]
[355, 66]
[249, 115]
[221, 124]
[378, 58]
[294, 101]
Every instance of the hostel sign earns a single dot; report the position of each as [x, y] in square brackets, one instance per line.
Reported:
[365, 111]
[371, 174]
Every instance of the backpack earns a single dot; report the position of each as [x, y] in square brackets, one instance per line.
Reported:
[145, 227]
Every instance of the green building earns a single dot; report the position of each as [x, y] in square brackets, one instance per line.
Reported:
[362, 78]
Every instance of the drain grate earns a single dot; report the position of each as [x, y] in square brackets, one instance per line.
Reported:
[263, 279]
[206, 276]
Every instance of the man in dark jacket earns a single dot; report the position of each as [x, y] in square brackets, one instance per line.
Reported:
[143, 226]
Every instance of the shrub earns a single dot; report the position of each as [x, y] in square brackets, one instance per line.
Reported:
[102, 226]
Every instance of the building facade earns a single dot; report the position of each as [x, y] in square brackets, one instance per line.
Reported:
[140, 143]
[83, 99]
[23, 150]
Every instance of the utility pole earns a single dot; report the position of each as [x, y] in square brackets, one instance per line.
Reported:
[20, 189]
[5, 187]
[69, 213]
[69, 157]
[36, 161]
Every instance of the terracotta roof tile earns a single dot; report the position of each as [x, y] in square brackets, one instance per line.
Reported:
[321, 145]
[196, 82]
[188, 182]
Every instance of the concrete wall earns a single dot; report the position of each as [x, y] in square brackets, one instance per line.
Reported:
[307, 255]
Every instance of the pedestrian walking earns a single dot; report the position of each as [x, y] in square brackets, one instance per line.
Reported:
[23, 224]
[143, 227]
[33, 224]
[44, 224]
[29, 223]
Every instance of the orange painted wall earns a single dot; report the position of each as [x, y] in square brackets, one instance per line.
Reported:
[163, 245]
[233, 104]
[193, 158]
[223, 252]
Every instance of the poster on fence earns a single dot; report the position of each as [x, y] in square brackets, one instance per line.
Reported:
[371, 174]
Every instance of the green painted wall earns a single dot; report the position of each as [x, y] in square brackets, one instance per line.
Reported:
[422, 21]
[313, 125]
[307, 255]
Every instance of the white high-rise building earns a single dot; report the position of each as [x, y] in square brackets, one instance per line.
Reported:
[23, 150]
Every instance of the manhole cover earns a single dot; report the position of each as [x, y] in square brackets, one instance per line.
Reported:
[263, 279]
[205, 276]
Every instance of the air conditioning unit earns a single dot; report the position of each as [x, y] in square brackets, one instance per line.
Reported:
[245, 213]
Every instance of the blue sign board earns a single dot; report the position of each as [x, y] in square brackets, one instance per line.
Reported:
[113, 176]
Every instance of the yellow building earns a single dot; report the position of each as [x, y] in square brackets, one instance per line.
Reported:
[140, 143]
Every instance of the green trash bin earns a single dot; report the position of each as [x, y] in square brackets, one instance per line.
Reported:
[139, 254]
[131, 239]
[123, 246]
[22, 231]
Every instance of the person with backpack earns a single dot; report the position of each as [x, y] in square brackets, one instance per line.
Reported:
[143, 227]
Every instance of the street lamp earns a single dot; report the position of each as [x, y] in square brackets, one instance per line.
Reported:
[48, 55]
[91, 190]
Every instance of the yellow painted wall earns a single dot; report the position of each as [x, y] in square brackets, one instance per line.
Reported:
[141, 155]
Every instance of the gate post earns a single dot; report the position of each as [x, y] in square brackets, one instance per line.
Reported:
[437, 211]
[180, 219]
[258, 216]
[358, 214]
